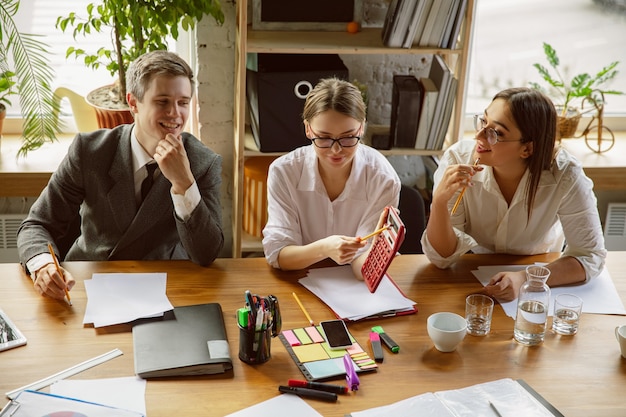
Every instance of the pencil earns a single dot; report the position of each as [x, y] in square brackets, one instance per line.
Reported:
[56, 264]
[458, 199]
[374, 233]
[303, 309]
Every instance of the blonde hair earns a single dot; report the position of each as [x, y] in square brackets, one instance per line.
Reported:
[156, 63]
[334, 94]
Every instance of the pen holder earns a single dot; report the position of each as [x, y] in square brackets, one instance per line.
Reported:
[255, 345]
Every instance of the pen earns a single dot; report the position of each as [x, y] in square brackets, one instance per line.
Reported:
[377, 348]
[303, 309]
[458, 199]
[56, 264]
[310, 393]
[374, 233]
[337, 389]
[493, 407]
[388, 341]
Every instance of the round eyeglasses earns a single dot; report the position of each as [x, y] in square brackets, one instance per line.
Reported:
[490, 133]
[345, 142]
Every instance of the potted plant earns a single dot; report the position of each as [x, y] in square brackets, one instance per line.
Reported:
[568, 94]
[6, 89]
[136, 27]
[31, 80]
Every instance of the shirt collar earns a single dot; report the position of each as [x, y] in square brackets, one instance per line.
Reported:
[139, 154]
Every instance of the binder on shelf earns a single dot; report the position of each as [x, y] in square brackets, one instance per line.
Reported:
[429, 100]
[406, 102]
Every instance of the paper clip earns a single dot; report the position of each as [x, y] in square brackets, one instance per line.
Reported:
[352, 379]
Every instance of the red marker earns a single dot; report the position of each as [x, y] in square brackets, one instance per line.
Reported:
[337, 389]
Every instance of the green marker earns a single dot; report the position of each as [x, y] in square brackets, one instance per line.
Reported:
[388, 341]
[242, 317]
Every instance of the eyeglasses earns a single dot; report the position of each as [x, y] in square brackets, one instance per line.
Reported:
[490, 133]
[345, 142]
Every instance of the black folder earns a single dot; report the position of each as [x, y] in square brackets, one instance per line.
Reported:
[406, 103]
[188, 340]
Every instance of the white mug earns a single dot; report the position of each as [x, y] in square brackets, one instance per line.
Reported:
[620, 334]
[446, 330]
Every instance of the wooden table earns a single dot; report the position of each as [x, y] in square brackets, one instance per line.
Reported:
[582, 375]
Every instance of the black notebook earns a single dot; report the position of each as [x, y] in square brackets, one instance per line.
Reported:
[188, 340]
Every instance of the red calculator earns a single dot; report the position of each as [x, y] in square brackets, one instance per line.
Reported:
[383, 250]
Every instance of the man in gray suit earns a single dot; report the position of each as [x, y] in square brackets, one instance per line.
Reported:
[101, 178]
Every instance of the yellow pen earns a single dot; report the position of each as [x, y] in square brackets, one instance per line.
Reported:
[56, 264]
[303, 309]
[374, 233]
[458, 199]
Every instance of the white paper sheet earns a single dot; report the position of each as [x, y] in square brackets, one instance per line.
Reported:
[599, 294]
[350, 298]
[127, 392]
[284, 405]
[121, 297]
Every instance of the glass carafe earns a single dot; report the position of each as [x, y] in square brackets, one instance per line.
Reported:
[532, 307]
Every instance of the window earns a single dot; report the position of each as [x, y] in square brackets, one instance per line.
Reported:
[509, 36]
[39, 17]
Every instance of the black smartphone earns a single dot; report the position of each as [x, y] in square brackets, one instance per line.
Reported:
[336, 334]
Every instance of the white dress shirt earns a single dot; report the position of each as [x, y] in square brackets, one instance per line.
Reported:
[300, 211]
[564, 212]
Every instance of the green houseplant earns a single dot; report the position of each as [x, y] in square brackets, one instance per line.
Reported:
[569, 93]
[136, 27]
[31, 80]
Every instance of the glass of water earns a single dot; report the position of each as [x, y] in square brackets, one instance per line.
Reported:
[567, 310]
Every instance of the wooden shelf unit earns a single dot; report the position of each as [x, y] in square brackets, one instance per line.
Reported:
[367, 41]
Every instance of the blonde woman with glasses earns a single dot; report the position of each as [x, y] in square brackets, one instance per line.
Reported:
[517, 194]
[322, 196]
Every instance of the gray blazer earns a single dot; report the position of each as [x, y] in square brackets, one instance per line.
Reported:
[95, 179]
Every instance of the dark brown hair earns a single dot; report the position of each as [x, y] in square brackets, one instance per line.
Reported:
[535, 117]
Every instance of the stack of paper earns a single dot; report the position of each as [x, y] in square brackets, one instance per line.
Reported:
[121, 298]
[350, 299]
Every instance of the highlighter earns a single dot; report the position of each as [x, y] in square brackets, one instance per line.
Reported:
[377, 348]
[388, 341]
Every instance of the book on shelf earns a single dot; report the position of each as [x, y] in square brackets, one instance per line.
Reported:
[447, 29]
[397, 22]
[406, 102]
[429, 100]
[430, 23]
[441, 20]
[440, 74]
[446, 117]
[451, 40]
[417, 20]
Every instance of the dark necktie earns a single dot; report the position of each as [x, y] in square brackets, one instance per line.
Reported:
[148, 181]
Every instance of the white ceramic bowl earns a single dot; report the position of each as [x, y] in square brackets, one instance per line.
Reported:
[446, 330]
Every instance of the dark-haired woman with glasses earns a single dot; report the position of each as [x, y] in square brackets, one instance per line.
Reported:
[321, 197]
[523, 196]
